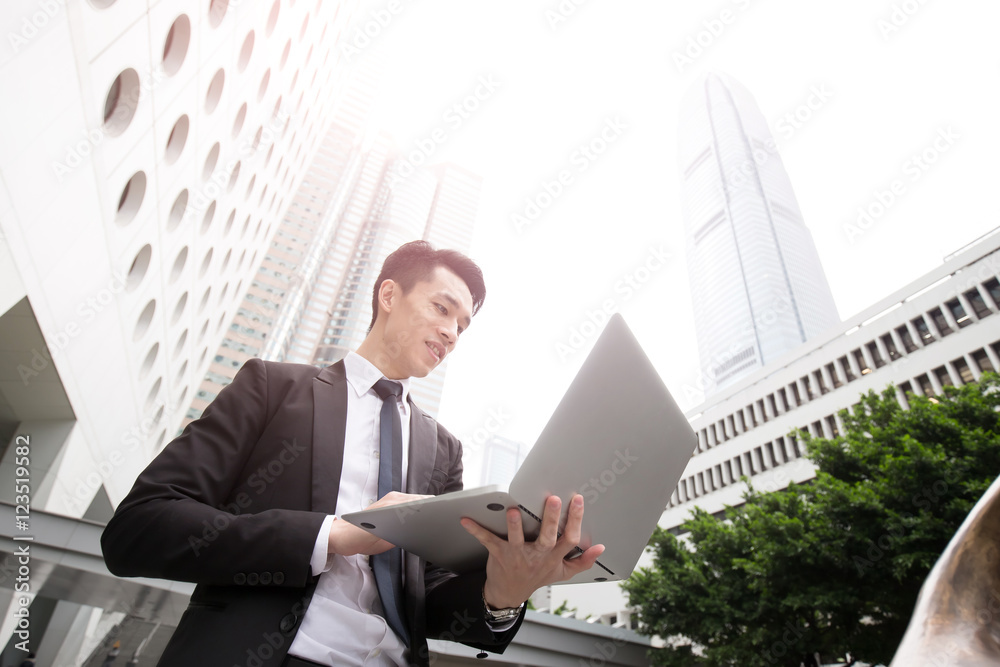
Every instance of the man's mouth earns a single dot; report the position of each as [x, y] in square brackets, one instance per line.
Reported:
[436, 350]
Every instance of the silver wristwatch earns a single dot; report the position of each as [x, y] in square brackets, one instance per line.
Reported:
[499, 615]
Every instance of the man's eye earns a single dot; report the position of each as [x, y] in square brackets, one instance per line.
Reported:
[442, 309]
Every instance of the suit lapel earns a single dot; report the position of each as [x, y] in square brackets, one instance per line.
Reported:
[329, 429]
[423, 450]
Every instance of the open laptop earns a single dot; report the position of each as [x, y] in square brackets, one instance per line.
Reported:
[617, 438]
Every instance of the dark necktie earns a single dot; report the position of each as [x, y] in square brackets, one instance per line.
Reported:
[388, 566]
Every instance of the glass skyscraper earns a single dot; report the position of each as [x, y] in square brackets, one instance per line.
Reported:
[757, 285]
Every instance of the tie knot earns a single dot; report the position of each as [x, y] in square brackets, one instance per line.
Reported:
[386, 388]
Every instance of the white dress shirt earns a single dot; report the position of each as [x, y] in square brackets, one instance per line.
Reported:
[343, 624]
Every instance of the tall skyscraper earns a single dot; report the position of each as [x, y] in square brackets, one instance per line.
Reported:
[757, 284]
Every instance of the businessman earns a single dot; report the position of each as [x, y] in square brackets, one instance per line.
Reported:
[245, 502]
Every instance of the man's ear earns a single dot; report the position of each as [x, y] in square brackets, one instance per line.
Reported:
[388, 292]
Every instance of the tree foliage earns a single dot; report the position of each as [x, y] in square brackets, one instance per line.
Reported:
[834, 565]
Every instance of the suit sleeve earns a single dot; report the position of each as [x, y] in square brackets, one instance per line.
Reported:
[184, 520]
[455, 607]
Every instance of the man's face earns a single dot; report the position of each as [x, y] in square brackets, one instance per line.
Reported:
[423, 325]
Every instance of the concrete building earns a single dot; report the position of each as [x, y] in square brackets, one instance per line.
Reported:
[936, 331]
[757, 284]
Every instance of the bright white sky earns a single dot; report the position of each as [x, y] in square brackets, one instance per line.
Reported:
[889, 93]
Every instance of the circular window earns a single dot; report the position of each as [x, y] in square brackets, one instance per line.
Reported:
[177, 139]
[121, 102]
[145, 319]
[176, 45]
[204, 302]
[214, 93]
[253, 181]
[245, 52]
[131, 199]
[153, 393]
[277, 110]
[272, 19]
[205, 263]
[201, 334]
[241, 116]
[305, 24]
[210, 161]
[229, 222]
[179, 263]
[284, 55]
[147, 363]
[263, 85]
[206, 222]
[225, 260]
[263, 193]
[256, 138]
[225, 290]
[222, 321]
[138, 269]
[217, 12]
[177, 210]
[270, 152]
[233, 175]
[179, 309]
[181, 342]
[180, 375]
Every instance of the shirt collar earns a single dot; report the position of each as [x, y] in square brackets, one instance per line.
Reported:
[362, 375]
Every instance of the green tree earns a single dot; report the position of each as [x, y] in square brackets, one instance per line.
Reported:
[833, 565]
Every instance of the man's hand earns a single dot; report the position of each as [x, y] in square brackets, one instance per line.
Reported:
[516, 569]
[346, 539]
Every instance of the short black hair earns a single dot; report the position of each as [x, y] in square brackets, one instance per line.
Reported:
[415, 261]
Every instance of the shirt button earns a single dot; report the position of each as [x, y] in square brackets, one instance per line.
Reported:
[376, 653]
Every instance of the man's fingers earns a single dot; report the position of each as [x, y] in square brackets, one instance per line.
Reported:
[574, 521]
[515, 533]
[549, 533]
[585, 561]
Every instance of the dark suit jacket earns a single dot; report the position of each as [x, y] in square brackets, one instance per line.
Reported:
[235, 504]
